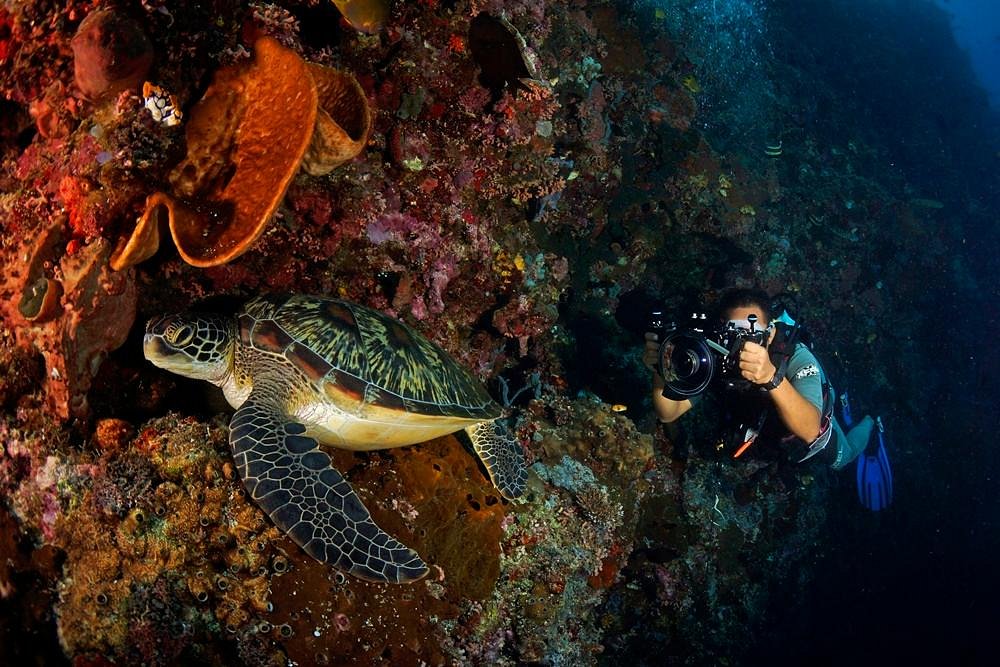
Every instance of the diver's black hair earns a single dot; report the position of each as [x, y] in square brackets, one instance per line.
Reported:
[743, 297]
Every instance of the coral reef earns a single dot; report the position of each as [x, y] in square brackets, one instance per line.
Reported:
[73, 309]
[567, 546]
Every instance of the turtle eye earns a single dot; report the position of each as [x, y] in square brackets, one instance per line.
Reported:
[180, 336]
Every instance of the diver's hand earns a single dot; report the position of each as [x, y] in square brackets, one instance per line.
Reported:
[755, 364]
[652, 352]
[651, 357]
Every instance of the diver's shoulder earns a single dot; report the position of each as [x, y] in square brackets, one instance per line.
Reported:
[802, 356]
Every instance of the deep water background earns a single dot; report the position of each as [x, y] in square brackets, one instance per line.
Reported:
[976, 25]
[918, 582]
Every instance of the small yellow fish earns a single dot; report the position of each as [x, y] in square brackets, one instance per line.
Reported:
[660, 14]
[691, 83]
[365, 15]
[618, 407]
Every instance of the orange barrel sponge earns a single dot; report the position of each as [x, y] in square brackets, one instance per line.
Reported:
[255, 126]
[343, 121]
[145, 238]
[245, 140]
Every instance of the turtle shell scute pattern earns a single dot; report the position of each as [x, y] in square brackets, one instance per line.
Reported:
[365, 353]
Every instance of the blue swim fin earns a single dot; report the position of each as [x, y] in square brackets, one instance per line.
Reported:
[874, 474]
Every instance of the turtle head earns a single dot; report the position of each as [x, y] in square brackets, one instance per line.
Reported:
[195, 345]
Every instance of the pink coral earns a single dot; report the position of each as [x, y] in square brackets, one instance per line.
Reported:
[405, 229]
[442, 273]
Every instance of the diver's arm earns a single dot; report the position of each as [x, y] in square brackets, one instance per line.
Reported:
[799, 415]
[667, 410]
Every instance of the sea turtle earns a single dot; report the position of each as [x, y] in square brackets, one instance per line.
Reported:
[308, 370]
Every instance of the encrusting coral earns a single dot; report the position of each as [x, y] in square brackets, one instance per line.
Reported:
[73, 309]
[231, 181]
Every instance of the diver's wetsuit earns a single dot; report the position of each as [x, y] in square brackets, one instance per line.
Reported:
[808, 378]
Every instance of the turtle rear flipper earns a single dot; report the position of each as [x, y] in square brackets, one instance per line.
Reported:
[502, 455]
[290, 478]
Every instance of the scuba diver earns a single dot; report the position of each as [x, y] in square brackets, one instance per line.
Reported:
[770, 387]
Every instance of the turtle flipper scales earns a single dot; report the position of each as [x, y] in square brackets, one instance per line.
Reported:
[290, 478]
[502, 455]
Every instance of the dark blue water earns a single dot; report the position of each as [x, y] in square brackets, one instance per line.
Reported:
[976, 24]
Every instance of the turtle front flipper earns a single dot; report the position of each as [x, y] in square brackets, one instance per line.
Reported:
[502, 455]
[290, 478]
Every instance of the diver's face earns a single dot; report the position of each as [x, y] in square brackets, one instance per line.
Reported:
[744, 312]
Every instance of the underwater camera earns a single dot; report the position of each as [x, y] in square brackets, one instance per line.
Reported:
[692, 355]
